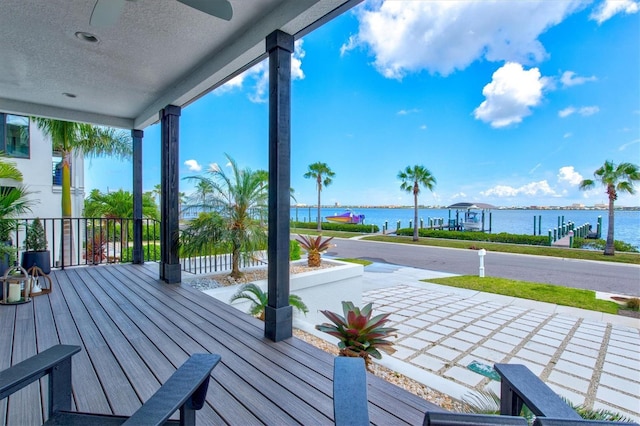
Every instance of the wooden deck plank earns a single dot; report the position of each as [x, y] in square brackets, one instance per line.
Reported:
[241, 358]
[87, 389]
[135, 332]
[46, 337]
[7, 324]
[269, 359]
[171, 355]
[142, 380]
[146, 366]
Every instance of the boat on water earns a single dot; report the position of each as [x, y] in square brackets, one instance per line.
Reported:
[470, 216]
[471, 221]
[346, 217]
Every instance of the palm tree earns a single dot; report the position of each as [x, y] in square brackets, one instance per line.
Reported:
[412, 178]
[69, 138]
[118, 205]
[259, 298]
[616, 179]
[235, 199]
[322, 174]
[14, 200]
[157, 191]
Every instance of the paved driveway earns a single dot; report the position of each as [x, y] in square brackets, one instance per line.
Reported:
[600, 276]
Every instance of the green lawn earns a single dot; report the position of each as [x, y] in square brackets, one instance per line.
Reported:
[566, 296]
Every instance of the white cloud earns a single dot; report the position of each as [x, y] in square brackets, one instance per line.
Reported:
[609, 8]
[257, 77]
[213, 168]
[566, 112]
[567, 135]
[531, 189]
[459, 195]
[589, 110]
[537, 166]
[408, 111]
[510, 95]
[569, 175]
[423, 127]
[193, 165]
[583, 111]
[444, 36]
[569, 79]
[628, 144]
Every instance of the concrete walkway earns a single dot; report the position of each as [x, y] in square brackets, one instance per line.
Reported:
[588, 357]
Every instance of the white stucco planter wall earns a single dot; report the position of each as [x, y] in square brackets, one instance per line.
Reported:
[322, 289]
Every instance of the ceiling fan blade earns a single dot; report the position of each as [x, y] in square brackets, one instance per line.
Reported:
[106, 13]
[219, 8]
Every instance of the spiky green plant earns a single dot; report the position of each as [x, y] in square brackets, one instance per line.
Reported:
[597, 414]
[488, 402]
[258, 300]
[359, 334]
[314, 246]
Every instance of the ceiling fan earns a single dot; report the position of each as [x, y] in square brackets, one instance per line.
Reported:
[106, 12]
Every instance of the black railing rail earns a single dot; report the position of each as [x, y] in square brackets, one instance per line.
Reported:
[89, 241]
[93, 241]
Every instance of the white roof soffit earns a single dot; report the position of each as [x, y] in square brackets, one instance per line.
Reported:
[159, 52]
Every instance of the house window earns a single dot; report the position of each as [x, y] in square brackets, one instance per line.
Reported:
[14, 135]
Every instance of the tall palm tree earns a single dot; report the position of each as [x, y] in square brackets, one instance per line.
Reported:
[70, 139]
[235, 198]
[323, 176]
[616, 178]
[412, 178]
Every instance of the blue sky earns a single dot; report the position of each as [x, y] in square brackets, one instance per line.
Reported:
[512, 103]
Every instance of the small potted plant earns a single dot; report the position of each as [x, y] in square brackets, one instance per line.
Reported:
[314, 246]
[36, 253]
[359, 334]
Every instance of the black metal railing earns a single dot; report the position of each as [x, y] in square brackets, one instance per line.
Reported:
[89, 241]
[93, 241]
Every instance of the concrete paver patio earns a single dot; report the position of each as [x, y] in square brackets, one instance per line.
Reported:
[588, 357]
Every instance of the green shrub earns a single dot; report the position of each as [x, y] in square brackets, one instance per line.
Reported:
[634, 304]
[345, 227]
[618, 245]
[150, 252]
[502, 237]
[294, 250]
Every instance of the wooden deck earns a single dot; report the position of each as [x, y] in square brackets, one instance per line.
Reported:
[135, 331]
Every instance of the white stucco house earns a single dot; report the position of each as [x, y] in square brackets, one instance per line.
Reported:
[34, 157]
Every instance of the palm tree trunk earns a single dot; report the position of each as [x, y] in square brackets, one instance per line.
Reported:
[66, 244]
[609, 248]
[235, 263]
[319, 228]
[415, 215]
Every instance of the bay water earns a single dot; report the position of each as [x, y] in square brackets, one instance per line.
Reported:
[513, 221]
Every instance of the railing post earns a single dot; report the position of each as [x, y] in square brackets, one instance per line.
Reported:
[137, 256]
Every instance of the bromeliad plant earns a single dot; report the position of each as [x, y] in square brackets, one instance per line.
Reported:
[314, 246]
[359, 334]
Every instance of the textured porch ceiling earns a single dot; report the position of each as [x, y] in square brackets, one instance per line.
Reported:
[159, 52]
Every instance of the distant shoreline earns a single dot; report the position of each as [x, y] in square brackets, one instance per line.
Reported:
[621, 208]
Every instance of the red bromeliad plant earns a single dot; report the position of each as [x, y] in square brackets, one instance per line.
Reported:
[359, 333]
